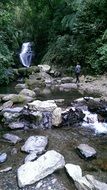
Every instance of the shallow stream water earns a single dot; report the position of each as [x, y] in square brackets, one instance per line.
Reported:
[63, 140]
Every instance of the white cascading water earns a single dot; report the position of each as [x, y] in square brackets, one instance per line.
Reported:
[91, 120]
[26, 54]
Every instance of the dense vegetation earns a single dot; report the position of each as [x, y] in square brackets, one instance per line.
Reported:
[63, 32]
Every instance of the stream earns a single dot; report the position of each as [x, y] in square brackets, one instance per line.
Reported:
[63, 140]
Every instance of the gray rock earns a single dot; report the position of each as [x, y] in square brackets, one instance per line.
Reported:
[6, 169]
[16, 125]
[7, 104]
[74, 171]
[8, 97]
[87, 182]
[97, 184]
[66, 79]
[14, 151]
[35, 144]
[11, 138]
[13, 110]
[31, 172]
[57, 117]
[19, 87]
[68, 86]
[3, 157]
[86, 151]
[28, 92]
[45, 68]
[38, 105]
[31, 157]
[9, 117]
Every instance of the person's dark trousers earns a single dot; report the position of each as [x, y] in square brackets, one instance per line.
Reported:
[77, 78]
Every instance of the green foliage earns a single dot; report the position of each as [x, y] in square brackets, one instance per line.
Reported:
[59, 52]
[84, 22]
[6, 62]
[63, 31]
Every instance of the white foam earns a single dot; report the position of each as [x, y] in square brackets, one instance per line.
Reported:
[91, 121]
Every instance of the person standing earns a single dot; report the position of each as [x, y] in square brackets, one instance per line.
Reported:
[77, 72]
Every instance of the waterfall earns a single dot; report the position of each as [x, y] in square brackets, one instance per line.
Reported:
[26, 54]
[91, 121]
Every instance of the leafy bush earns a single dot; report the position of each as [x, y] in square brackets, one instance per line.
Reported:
[6, 61]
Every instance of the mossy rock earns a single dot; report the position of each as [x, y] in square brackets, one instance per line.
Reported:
[33, 69]
[21, 99]
[32, 84]
[22, 71]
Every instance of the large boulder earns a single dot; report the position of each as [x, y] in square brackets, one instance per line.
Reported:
[31, 172]
[34, 83]
[7, 104]
[11, 114]
[21, 98]
[87, 182]
[16, 125]
[27, 92]
[8, 97]
[74, 171]
[57, 117]
[70, 116]
[38, 105]
[20, 87]
[68, 86]
[45, 68]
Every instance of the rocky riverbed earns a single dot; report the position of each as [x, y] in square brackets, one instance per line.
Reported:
[38, 126]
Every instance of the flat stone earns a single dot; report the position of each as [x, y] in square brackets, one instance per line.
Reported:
[11, 138]
[35, 144]
[86, 150]
[16, 125]
[38, 105]
[13, 110]
[3, 157]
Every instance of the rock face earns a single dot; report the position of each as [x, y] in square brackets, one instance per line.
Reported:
[86, 151]
[45, 165]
